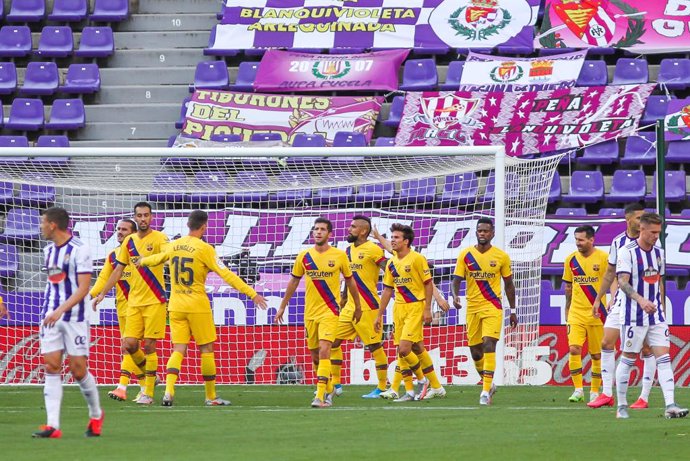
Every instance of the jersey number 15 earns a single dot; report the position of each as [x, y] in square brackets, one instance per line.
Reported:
[182, 271]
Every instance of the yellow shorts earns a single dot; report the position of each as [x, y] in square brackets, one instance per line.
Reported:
[184, 325]
[122, 319]
[146, 321]
[348, 329]
[322, 329]
[482, 324]
[577, 333]
[408, 322]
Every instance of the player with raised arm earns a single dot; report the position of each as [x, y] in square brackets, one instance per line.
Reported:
[583, 272]
[640, 271]
[612, 322]
[123, 228]
[146, 311]
[65, 326]
[483, 266]
[323, 265]
[366, 259]
[408, 275]
[191, 260]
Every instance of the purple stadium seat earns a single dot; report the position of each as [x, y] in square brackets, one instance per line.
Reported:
[349, 139]
[96, 42]
[639, 150]
[211, 75]
[460, 189]
[396, 110]
[226, 138]
[22, 224]
[15, 41]
[256, 181]
[183, 113]
[585, 187]
[453, 76]
[9, 261]
[6, 191]
[337, 195]
[512, 187]
[26, 115]
[110, 10]
[52, 141]
[40, 193]
[217, 52]
[246, 74]
[14, 141]
[41, 78]
[419, 75]
[26, 11]
[171, 140]
[55, 42]
[376, 194]
[341, 50]
[685, 213]
[292, 184]
[306, 140]
[526, 35]
[678, 152]
[593, 73]
[604, 153]
[552, 51]
[611, 212]
[265, 137]
[215, 186]
[417, 191]
[676, 189]
[571, 212]
[655, 109]
[169, 187]
[674, 73]
[629, 71]
[69, 10]
[67, 114]
[82, 79]
[555, 191]
[627, 186]
[8, 78]
[384, 142]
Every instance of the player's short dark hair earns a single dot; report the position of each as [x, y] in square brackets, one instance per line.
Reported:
[326, 221]
[632, 208]
[407, 232]
[587, 229]
[142, 205]
[197, 218]
[131, 222]
[363, 218]
[57, 216]
[650, 218]
[485, 220]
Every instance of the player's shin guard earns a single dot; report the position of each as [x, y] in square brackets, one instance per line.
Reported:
[407, 379]
[127, 369]
[52, 395]
[648, 375]
[479, 366]
[666, 381]
[575, 363]
[489, 369]
[172, 372]
[139, 360]
[381, 362]
[336, 364]
[90, 392]
[151, 368]
[323, 375]
[397, 378]
[622, 379]
[208, 372]
[414, 364]
[596, 376]
[428, 369]
[608, 367]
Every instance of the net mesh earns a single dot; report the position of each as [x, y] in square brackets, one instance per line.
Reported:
[261, 213]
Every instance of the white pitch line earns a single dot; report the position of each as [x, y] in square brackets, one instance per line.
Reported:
[189, 408]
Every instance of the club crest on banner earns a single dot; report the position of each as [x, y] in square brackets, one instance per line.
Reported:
[445, 111]
[480, 19]
[678, 122]
[507, 72]
[541, 70]
[331, 69]
[589, 20]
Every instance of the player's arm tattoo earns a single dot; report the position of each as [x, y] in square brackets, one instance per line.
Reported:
[625, 287]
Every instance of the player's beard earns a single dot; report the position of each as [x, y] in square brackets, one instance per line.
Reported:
[143, 226]
[351, 238]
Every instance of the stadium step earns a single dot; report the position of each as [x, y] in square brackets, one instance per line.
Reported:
[148, 76]
[161, 22]
[160, 57]
[178, 6]
[131, 130]
[156, 40]
[134, 112]
[142, 94]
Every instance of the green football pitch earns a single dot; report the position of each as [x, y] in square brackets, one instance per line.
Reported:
[276, 423]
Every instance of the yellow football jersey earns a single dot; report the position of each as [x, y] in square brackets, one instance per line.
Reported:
[191, 259]
[483, 273]
[147, 285]
[364, 264]
[121, 288]
[407, 276]
[323, 271]
[586, 275]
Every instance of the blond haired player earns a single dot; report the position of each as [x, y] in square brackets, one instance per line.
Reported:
[583, 273]
[191, 259]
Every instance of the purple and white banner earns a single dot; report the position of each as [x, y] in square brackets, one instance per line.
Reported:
[677, 121]
[376, 24]
[225, 112]
[287, 71]
[494, 73]
[524, 122]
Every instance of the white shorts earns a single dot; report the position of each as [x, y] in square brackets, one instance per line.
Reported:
[632, 337]
[613, 320]
[72, 337]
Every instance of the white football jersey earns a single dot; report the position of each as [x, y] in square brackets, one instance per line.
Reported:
[646, 269]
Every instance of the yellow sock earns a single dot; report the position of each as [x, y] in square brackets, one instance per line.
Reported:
[139, 359]
[596, 375]
[397, 379]
[381, 361]
[323, 374]
[127, 369]
[336, 364]
[407, 379]
[172, 371]
[428, 369]
[479, 366]
[151, 370]
[489, 368]
[575, 362]
[412, 361]
[208, 373]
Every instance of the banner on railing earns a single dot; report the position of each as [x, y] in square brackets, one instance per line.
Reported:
[376, 24]
[494, 73]
[677, 121]
[642, 26]
[523, 122]
[287, 71]
[225, 112]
